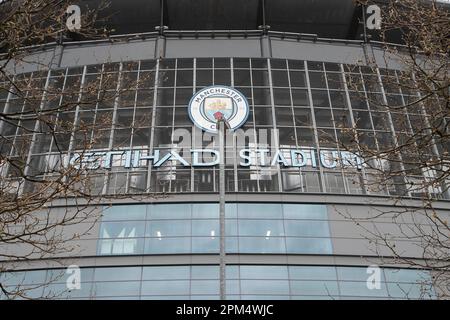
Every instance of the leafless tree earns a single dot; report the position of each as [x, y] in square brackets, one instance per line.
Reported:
[37, 113]
[408, 97]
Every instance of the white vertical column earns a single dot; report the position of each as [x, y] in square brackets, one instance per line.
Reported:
[313, 118]
[152, 128]
[352, 119]
[276, 136]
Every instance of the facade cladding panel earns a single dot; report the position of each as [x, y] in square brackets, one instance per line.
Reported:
[286, 237]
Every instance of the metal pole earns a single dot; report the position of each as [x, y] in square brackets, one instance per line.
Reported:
[221, 127]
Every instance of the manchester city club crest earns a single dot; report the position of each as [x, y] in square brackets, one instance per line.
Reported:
[208, 103]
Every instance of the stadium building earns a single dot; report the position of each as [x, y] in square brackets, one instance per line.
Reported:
[279, 70]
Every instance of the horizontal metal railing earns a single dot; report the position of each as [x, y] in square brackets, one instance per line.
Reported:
[171, 34]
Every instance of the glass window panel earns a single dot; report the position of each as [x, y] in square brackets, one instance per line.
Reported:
[231, 244]
[410, 291]
[338, 99]
[141, 137]
[322, 288]
[205, 272]
[232, 272]
[323, 117]
[312, 65]
[167, 78]
[302, 117]
[278, 63]
[23, 278]
[118, 298]
[204, 78]
[121, 230]
[230, 210]
[264, 297]
[232, 288]
[185, 78]
[258, 287]
[60, 275]
[308, 245]
[305, 137]
[171, 297]
[359, 289]
[259, 210]
[221, 63]
[205, 228]
[264, 272]
[167, 64]
[317, 80]
[117, 274]
[307, 228]
[60, 291]
[181, 117]
[342, 119]
[312, 273]
[120, 238]
[259, 63]
[182, 96]
[267, 228]
[320, 98]
[298, 79]
[362, 120]
[205, 244]
[146, 79]
[185, 63]
[166, 273]
[280, 79]
[204, 63]
[168, 228]
[205, 210]
[242, 77]
[327, 137]
[205, 287]
[165, 245]
[147, 64]
[293, 297]
[27, 291]
[164, 98]
[332, 66]
[108, 289]
[261, 96]
[296, 64]
[131, 212]
[172, 287]
[304, 211]
[202, 297]
[263, 116]
[354, 273]
[261, 245]
[260, 78]
[284, 117]
[170, 211]
[335, 81]
[222, 77]
[145, 98]
[287, 137]
[405, 275]
[282, 97]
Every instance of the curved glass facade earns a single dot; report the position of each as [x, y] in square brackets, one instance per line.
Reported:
[194, 228]
[243, 282]
[293, 105]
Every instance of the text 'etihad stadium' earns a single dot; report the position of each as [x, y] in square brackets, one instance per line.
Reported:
[210, 157]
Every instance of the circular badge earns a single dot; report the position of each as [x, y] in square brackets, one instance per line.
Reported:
[218, 101]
